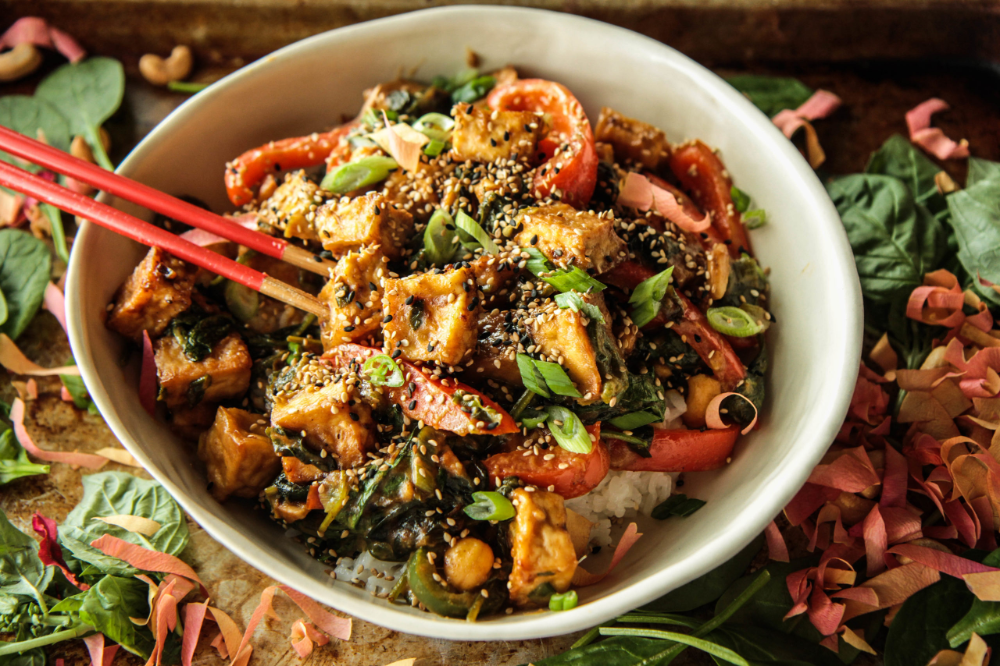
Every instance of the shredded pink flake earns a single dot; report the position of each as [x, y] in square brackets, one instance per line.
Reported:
[65, 395]
[55, 302]
[144, 558]
[933, 139]
[583, 578]
[37, 31]
[303, 636]
[713, 415]
[69, 457]
[194, 617]
[939, 302]
[12, 358]
[666, 204]
[228, 640]
[338, 627]
[264, 607]
[202, 238]
[946, 563]
[777, 549]
[147, 376]
[402, 142]
[99, 654]
[820, 105]
[636, 192]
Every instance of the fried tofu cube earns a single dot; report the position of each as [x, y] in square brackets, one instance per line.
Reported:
[225, 373]
[492, 274]
[541, 548]
[434, 315]
[632, 140]
[353, 297]
[570, 237]
[329, 422]
[414, 191]
[158, 290]
[561, 336]
[352, 224]
[191, 422]
[483, 135]
[240, 458]
[292, 207]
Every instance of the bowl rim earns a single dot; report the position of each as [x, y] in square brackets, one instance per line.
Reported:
[761, 505]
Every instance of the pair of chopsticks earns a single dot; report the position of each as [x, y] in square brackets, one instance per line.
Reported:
[148, 234]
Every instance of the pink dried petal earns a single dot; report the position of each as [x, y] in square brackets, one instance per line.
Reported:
[55, 302]
[68, 457]
[932, 139]
[194, 617]
[777, 549]
[49, 550]
[876, 541]
[667, 206]
[35, 30]
[636, 192]
[340, 627]
[12, 358]
[144, 558]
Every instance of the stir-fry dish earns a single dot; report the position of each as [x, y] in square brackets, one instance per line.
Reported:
[532, 319]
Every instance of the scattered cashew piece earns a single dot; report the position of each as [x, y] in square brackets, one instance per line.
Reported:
[161, 71]
[20, 61]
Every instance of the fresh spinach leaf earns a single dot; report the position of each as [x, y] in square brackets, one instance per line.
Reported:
[616, 651]
[21, 571]
[975, 216]
[983, 617]
[895, 240]
[90, 561]
[980, 169]
[709, 587]
[14, 461]
[86, 94]
[25, 266]
[29, 116]
[34, 657]
[920, 628]
[900, 158]
[108, 607]
[766, 647]
[772, 94]
[77, 390]
[115, 493]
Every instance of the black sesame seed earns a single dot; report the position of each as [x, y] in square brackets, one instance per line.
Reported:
[493, 142]
[491, 426]
[506, 136]
[534, 239]
[397, 353]
[387, 319]
[473, 304]
[409, 300]
[348, 329]
[412, 405]
[374, 287]
[727, 242]
[697, 338]
[354, 417]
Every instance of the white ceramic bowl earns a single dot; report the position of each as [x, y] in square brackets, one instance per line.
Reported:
[814, 347]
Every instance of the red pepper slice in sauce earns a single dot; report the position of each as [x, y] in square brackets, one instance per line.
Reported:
[677, 451]
[568, 474]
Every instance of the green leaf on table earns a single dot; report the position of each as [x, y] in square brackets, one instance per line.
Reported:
[772, 94]
[900, 158]
[77, 390]
[14, 462]
[25, 266]
[895, 240]
[86, 94]
[615, 651]
[115, 493]
[108, 607]
[34, 657]
[707, 588]
[975, 216]
[21, 570]
[983, 617]
[766, 647]
[920, 628]
[980, 169]
[29, 116]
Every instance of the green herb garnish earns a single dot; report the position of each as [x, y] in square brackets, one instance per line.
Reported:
[646, 298]
[489, 505]
[383, 371]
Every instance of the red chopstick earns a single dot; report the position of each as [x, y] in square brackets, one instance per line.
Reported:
[56, 160]
[151, 235]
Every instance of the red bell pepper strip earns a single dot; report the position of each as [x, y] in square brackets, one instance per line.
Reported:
[431, 400]
[677, 451]
[574, 170]
[581, 472]
[702, 173]
[247, 171]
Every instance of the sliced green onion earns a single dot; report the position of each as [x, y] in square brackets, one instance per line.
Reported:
[434, 121]
[489, 505]
[472, 235]
[754, 219]
[741, 200]
[532, 376]
[186, 87]
[563, 601]
[532, 419]
[634, 420]
[383, 371]
[568, 431]
[461, 78]
[439, 235]
[677, 505]
[735, 322]
[473, 90]
[537, 263]
[556, 379]
[434, 147]
[646, 298]
[360, 173]
[574, 279]
[574, 301]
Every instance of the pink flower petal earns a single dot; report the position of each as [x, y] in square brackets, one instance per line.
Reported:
[667, 206]
[777, 549]
[147, 376]
[68, 457]
[894, 479]
[919, 117]
[713, 415]
[340, 627]
[202, 238]
[932, 139]
[12, 358]
[947, 563]
[55, 302]
[852, 472]
[65, 395]
[788, 122]
[636, 192]
[99, 654]
[144, 558]
[228, 639]
[820, 105]
[876, 541]
[303, 636]
[583, 578]
[66, 45]
[264, 607]
[35, 30]
[194, 617]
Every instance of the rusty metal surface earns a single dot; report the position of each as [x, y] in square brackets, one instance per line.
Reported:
[875, 96]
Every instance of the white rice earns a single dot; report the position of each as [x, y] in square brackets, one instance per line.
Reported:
[620, 495]
[360, 570]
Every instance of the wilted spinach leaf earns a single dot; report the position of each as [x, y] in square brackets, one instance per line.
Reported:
[975, 216]
[980, 169]
[766, 647]
[28, 115]
[895, 240]
[14, 461]
[900, 158]
[919, 629]
[772, 94]
[34, 657]
[108, 606]
[22, 572]
[25, 266]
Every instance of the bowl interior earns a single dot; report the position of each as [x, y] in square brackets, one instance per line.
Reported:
[814, 347]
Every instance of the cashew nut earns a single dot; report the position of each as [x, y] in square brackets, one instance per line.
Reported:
[20, 61]
[161, 71]
[80, 149]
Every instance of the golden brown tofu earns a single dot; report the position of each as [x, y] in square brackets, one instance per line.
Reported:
[579, 529]
[353, 297]
[328, 422]
[433, 315]
[541, 547]
[562, 337]
[240, 458]
[292, 207]
[351, 224]
[225, 373]
[483, 135]
[158, 290]
[191, 422]
[632, 140]
[569, 237]
[414, 191]
[491, 273]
